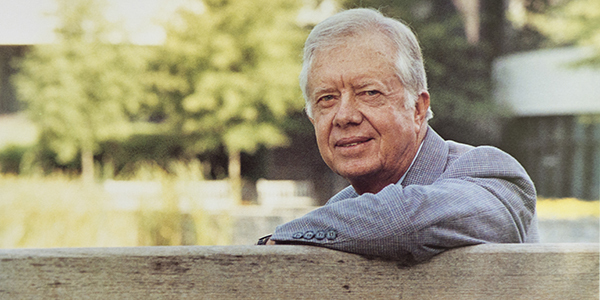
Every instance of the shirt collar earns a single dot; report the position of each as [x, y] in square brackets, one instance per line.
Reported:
[411, 164]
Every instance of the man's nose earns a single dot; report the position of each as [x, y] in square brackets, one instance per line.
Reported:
[347, 112]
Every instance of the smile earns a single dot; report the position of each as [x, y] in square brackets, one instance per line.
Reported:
[352, 144]
[345, 143]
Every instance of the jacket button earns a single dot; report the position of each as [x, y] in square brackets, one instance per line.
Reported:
[309, 235]
[298, 235]
[331, 235]
[320, 235]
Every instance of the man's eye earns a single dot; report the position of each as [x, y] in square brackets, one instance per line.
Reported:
[326, 98]
[372, 93]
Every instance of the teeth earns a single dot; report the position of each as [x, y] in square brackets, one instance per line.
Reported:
[350, 145]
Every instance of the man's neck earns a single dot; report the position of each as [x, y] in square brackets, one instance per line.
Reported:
[374, 184]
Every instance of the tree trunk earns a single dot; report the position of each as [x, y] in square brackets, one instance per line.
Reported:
[87, 165]
[108, 167]
[235, 175]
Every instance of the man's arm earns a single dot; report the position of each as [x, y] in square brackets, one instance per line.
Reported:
[492, 200]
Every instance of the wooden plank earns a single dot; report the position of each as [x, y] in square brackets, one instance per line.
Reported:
[501, 271]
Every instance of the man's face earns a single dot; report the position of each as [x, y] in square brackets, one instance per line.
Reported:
[364, 132]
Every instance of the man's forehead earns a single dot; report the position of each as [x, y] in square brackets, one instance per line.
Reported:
[381, 44]
[355, 82]
[336, 63]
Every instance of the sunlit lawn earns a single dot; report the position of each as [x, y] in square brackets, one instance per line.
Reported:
[58, 211]
[567, 208]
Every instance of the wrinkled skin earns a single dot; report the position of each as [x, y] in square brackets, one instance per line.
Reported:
[364, 131]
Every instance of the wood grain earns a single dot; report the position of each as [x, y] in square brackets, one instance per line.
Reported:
[500, 271]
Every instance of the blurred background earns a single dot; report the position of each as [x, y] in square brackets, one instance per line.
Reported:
[180, 122]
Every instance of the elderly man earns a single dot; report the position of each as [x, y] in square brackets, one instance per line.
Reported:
[412, 194]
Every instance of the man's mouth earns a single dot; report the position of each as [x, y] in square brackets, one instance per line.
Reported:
[351, 142]
[350, 145]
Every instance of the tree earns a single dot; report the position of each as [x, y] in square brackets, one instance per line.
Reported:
[227, 76]
[83, 89]
[571, 22]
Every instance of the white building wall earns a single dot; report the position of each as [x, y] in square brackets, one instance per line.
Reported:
[544, 82]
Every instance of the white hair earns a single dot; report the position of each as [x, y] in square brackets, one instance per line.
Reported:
[350, 23]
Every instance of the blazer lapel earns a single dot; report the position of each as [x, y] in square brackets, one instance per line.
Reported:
[431, 161]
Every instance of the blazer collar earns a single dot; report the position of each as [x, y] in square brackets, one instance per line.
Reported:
[431, 161]
[429, 165]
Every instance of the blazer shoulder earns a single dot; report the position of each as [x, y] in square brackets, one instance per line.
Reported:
[482, 161]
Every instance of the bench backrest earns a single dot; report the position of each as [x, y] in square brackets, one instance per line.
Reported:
[501, 271]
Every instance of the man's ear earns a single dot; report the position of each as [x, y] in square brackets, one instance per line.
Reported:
[421, 107]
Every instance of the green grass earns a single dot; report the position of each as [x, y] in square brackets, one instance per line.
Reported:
[61, 211]
[58, 211]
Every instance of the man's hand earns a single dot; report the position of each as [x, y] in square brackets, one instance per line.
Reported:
[270, 242]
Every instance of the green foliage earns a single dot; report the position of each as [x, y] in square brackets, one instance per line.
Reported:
[571, 22]
[10, 158]
[80, 95]
[227, 76]
[83, 90]
[224, 81]
[124, 156]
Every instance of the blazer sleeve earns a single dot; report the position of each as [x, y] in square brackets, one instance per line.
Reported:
[484, 196]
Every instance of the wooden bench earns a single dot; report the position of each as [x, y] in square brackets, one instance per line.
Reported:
[500, 271]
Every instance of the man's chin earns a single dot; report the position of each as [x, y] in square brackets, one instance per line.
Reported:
[356, 174]
[356, 168]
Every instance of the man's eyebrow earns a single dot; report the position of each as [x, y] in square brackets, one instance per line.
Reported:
[366, 83]
[323, 90]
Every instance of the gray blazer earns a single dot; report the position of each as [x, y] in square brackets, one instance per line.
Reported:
[454, 195]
